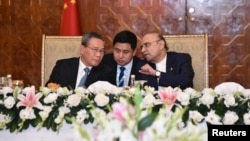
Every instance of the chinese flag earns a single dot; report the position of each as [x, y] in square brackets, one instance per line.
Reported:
[70, 23]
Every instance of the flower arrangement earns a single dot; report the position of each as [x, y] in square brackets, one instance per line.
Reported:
[140, 108]
[135, 121]
[50, 106]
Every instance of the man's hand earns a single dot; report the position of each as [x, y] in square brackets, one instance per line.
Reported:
[147, 69]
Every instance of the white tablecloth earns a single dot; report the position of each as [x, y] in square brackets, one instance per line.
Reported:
[66, 133]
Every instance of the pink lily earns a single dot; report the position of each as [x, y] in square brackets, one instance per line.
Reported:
[30, 100]
[118, 111]
[168, 96]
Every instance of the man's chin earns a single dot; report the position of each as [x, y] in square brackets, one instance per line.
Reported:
[95, 64]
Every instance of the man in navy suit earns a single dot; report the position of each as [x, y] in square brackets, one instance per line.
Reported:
[70, 71]
[165, 68]
[124, 51]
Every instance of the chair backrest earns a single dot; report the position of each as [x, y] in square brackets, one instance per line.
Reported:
[57, 47]
[196, 46]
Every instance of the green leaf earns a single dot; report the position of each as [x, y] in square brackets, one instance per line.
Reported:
[146, 121]
[137, 100]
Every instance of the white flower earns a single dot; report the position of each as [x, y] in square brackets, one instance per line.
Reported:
[81, 115]
[50, 98]
[208, 97]
[246, 118]
[74, 100]
[80, 91]
[192, 92]
[213, 118]
[45, 90]
[229, 101]
[63, 91]
[99, 115]
[101, 100]
[62, 111]
[6, 90]
[47, 109]
[58, 119]
[9, 102]
[27, 114]
[230, 118]
[45, 113]
[3, 120]
[183, 98]
[28, 89]
[148, 100]
[195, 116]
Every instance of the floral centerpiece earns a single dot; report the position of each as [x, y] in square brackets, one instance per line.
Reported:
[136, 119]
[49, 107]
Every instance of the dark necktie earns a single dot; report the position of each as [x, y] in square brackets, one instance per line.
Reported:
[121, 77]
[84, 77]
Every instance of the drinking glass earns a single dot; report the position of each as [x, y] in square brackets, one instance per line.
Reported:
[17, 83]
[3, 82]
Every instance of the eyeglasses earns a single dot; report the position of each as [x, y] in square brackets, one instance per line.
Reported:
[95, 50]
[148, 44]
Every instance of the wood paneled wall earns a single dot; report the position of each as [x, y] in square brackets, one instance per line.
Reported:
[227, 23]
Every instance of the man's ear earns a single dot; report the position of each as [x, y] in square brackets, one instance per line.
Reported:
[161, 42]
[82, 48]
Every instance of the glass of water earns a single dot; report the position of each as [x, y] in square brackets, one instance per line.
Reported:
[3, 82]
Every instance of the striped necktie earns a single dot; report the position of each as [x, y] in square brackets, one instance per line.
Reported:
[84, 77]
[121, 77]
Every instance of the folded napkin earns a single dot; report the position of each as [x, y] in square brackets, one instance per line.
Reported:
[228, 88]
[104, 87]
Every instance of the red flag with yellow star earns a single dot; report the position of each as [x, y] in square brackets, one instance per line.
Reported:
[70, 23]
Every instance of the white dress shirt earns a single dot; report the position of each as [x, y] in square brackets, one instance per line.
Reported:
[161, 66]
[81, 72]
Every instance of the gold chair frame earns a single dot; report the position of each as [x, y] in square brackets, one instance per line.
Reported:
[57, 47]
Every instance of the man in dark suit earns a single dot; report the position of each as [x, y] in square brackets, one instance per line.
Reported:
[124, 51]
[84, 70]
[165, 68]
